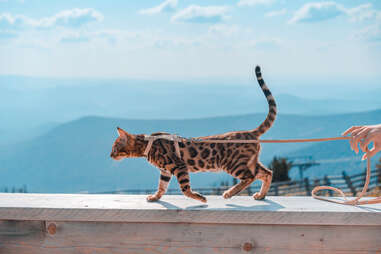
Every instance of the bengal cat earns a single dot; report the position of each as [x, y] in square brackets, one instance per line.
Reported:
[238, 159]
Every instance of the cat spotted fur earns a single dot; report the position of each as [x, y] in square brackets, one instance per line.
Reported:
[237, 159]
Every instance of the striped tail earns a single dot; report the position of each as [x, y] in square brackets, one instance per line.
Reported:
[268, 122]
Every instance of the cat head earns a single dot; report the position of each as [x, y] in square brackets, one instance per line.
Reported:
[124, 146]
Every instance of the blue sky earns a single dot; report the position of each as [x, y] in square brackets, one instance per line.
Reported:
[191, 40]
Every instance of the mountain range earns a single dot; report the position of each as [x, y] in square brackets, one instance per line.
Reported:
[29, 106]
[74, 156]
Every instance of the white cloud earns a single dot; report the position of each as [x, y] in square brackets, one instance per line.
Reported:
[7, 35]
[319, 11]
[371, 33]
[166, 6]
[67, 18]
[254, 2]
[176, 43]
[276, 13]
[111, 36]
[266, 43]
[225, 30]
[114, 36]
[314, 12]
[199, 14]
[74, 38]
[8, 21]
[361, 13]
[73, 18]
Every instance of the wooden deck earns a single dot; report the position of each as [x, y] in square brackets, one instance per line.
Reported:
[62, 223]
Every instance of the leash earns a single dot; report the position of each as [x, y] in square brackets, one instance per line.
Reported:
[356, 201]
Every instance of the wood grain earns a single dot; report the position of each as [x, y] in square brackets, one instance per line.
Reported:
[118, 238]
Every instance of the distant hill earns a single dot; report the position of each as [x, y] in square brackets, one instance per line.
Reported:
[27, 103]
[19, 134]
[74, 156]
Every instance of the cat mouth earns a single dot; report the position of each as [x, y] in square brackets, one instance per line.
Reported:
[117, 157]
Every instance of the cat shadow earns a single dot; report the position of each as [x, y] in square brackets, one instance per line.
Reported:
[168, 205]
[369, 209]
[269, 206]
[196, 207]
[362, 207]
[174, 207]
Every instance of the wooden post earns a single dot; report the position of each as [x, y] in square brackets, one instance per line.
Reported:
[307, 186]
[249, 192]
[349, 183]
[316, 182]
[328, 183]
[276, 189]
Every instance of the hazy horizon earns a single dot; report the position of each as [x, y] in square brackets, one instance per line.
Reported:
[62, 61]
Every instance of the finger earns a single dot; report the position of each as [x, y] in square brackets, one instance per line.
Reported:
[364, 144]
[355, 142]
[361, 137]
[358, 135]
[371, 152]
[359, 130]
[370, 137]
[350, 130]
[363, 131]
[352, 144]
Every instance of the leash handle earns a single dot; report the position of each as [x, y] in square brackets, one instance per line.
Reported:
[355, 201]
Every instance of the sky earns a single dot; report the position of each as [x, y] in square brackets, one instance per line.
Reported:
[191, 39]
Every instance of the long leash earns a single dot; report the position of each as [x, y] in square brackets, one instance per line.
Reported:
[355, 201]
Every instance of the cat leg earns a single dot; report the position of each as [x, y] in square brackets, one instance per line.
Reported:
[162, 188]
[182, 176]
[265, 175]
[246, 179]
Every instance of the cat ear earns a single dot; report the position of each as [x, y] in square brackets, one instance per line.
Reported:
[121, 132]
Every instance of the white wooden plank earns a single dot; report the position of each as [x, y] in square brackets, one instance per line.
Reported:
[184, 238]
[134, 208]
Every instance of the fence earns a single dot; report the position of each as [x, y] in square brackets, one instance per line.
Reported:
[349, 184]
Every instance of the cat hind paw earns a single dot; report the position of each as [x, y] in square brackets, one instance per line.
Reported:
[226, 195]
[200, 197]
[152, 198]
[258, 196]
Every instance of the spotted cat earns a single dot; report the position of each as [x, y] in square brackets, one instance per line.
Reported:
[238, 159]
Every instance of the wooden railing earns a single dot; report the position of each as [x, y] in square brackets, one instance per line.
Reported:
[350, 184]
[116, 224]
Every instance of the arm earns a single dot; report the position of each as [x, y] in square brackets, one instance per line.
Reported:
[364, 135]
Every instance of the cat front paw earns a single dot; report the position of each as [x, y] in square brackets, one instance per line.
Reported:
[152, 198]
[226, 194]
[199, 197]
[258, 196]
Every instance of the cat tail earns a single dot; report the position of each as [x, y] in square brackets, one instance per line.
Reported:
[268, 122]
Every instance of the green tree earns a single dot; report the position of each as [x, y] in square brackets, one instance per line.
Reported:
[280, 167]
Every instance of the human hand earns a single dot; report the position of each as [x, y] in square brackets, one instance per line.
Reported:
[364, 135]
